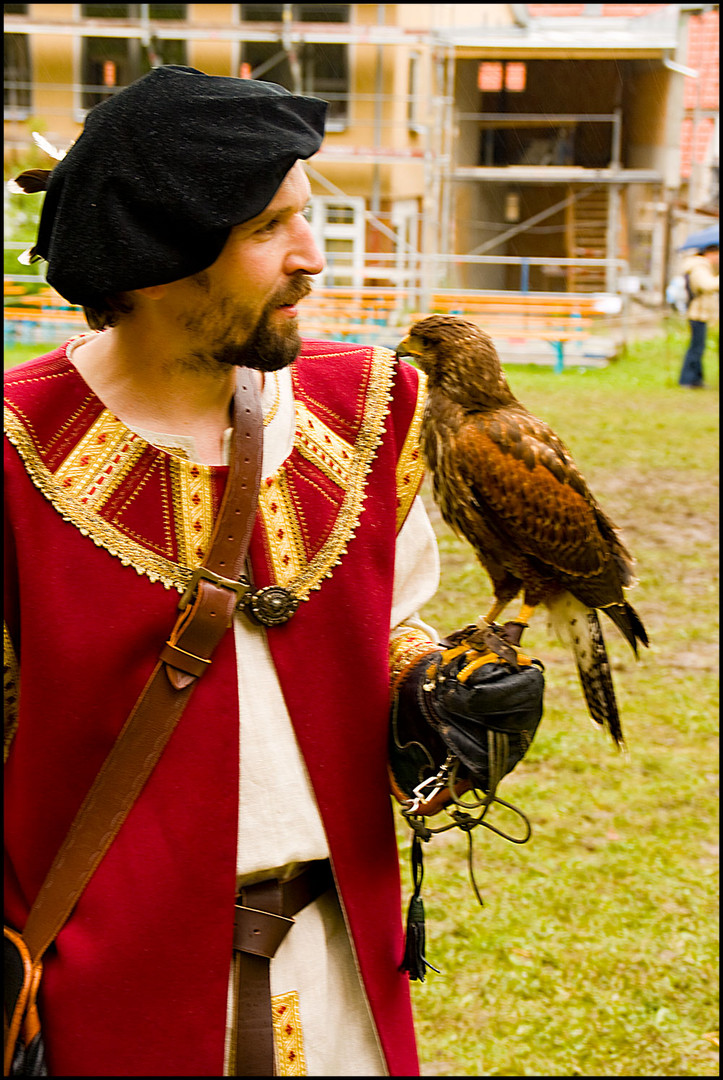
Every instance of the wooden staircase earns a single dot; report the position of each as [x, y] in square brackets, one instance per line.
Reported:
[586, 223]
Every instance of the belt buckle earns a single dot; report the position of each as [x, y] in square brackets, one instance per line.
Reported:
[240, 588]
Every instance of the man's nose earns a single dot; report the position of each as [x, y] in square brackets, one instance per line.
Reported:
[304, 253]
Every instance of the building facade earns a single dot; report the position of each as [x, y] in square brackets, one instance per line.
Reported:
[469, 146]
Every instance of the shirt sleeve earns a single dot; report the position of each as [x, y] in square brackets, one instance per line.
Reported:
[416, 572]
[416, 579]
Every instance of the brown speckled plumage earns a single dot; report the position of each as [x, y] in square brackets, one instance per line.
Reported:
[503, 480]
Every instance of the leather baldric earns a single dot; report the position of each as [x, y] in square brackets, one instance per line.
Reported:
[207, 610]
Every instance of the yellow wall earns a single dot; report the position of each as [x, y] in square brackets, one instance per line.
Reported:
[442, 16]
[211, 14]
[211, 57]
[51, 12]
[647, 88]
[53, 100]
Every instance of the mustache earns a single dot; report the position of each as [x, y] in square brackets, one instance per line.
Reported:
[292, 293]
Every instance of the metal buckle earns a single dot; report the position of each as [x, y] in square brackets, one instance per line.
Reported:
[421, 795]
[270, 606]
[240, 588]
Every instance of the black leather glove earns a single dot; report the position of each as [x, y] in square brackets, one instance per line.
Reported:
[474, 705]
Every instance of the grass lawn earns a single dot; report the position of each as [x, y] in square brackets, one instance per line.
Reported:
[596, 953]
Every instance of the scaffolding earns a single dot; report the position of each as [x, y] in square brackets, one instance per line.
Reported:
[415, 245]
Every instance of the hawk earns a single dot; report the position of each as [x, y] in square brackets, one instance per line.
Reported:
[503, 480]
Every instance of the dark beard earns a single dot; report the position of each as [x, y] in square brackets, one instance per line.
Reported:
[268, 348]
[265, 350]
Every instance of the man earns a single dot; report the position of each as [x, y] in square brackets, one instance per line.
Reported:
[701, 274]
[177, 221]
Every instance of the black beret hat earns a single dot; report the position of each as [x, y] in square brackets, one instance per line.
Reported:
[162, 172]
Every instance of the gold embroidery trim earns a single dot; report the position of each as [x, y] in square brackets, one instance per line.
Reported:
[410, 467]
[322, 446]
[288, 1036]
[307, 577]
[283, 536]
[405, 650]
[193, 505]
[97, 464]
[89, 523]
[11, 689]
[368, 440]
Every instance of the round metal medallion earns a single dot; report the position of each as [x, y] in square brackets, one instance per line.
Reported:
[273, 605]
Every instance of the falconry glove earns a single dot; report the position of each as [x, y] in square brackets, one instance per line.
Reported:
[456, 702]
[462, 718]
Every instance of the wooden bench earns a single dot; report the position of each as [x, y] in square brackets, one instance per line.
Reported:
[29, 314]
[364, 314]
[554, 317]
[17, 297]
[380, 314]
[28, 311]
[335, 311]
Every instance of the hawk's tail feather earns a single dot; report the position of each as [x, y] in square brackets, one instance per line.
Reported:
[579, 627]
[628, 623]
[597, 682]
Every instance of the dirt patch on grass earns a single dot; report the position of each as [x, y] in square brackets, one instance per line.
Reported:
[678, 512]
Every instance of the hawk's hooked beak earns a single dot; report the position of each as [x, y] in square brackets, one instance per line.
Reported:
[408, 347]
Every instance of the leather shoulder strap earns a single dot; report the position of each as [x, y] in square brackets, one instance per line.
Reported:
[207, 612]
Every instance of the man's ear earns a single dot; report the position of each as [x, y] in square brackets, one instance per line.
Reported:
[152, 292]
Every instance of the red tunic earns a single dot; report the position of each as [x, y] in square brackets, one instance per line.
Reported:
[102, 531]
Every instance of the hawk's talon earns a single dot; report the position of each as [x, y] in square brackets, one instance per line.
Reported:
[451, 654]
[482, 658]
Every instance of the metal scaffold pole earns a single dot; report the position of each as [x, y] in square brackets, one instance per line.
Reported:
[447, 242]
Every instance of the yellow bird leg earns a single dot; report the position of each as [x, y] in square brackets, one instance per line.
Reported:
[491, 617]
[451, 654]
[525, 614]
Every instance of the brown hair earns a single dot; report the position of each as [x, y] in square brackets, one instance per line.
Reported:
[114, 306]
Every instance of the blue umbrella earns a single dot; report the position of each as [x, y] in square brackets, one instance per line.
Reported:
[701, 240]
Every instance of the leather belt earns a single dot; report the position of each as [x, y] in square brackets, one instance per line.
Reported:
[264, 916]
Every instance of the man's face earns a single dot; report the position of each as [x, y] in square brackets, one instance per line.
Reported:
[241, 310]
[712, 256]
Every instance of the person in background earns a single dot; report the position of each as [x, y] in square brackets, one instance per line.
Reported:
[701, 275]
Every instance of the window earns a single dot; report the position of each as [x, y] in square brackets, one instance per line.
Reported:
[317, 68]
[109, 11]
[515, 77]
[413, 95]
[17, 73]
[493, 75]
[489, 76]
[132, 11]
[109, 63]
[405, 220]
[338, 227]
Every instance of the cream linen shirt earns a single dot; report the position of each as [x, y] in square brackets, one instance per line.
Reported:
[314, 973]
